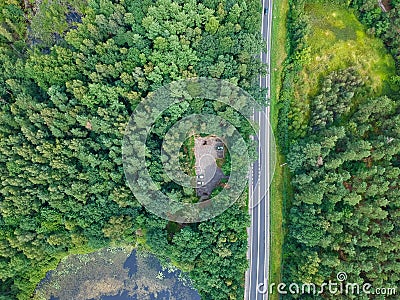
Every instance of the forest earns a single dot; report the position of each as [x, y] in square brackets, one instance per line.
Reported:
[69, 80]
[343, 149]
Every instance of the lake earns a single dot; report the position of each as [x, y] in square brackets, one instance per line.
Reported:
[115, 274]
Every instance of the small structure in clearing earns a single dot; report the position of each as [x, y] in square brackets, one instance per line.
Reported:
[208, 174]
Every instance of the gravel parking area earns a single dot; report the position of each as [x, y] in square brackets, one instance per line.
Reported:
[207, 150]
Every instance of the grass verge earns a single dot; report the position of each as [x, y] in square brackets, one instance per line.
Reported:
[278, 185]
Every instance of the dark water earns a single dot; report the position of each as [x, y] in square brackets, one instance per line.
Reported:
[73, 16]
[140, 277]
[174, 292]
[164, 295]
[123, 296]
[131, 264]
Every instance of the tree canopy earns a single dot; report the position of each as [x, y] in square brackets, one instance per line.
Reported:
[64, 105]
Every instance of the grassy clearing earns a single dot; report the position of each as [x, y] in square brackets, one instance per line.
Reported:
[277, 189]
[187, 158]
[338, 40]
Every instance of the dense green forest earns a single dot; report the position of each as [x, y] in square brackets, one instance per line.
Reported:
[343, 149]
[67, 88]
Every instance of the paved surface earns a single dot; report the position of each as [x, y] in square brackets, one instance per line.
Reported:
[207, 173]
[259, 235]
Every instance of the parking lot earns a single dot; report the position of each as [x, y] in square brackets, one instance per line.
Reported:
[207, 150]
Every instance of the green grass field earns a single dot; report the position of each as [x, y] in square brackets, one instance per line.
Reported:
[337, 40]
[277, 189]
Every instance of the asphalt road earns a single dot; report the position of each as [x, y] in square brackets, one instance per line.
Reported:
[259, 234]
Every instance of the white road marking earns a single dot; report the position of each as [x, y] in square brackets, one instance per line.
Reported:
[261, 176]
